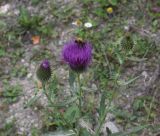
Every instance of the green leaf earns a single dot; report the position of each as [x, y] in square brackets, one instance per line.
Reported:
[3, 25]
[120, 58]
[35, 2]
[113, 2]
[24, 16]
[53, 86]
[155, 128]
[85, 132]
[136, 59]
[122, 82]
[65, 102]
[100, 12]
[32, 101]
[72, 114]
[138, 104]
[102, 105]
[2, 52]
[60, 133]
[72, 77]
[132, 131]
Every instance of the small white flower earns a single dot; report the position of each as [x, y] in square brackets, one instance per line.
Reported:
[88, 25]
[126, 28]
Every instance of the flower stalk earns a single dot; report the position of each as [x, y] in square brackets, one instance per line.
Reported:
[80, 94]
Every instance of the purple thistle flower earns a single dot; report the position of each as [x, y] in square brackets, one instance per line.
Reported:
[156, 9]
[45, 64]
[77, 54]
[44, 71]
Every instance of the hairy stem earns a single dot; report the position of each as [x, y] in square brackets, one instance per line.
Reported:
[80, 93]
[80, 98]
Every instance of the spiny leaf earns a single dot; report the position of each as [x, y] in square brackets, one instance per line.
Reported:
[102, 105]
[122, 82]
[72, 114]
[132, 131]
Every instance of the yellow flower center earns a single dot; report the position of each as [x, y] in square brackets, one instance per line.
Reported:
[109, 10]
[78, 22]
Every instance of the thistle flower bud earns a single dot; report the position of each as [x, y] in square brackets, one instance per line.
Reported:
[78, 54]
[44, 71]
[127, 42]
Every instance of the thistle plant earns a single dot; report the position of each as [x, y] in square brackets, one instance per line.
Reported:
[69, 112]
[44, 74]
[78, 54]
[127, 42]
[44, 71]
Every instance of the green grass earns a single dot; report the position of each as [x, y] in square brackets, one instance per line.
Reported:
[11, 93]
[27, 21]
[9, 129]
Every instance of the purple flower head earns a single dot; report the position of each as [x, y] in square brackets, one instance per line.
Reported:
[77, 54]
[45, 64]
[156, 9]
[44, 71]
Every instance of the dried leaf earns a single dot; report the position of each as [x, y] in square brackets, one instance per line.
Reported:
[39, 84]
[35, 39]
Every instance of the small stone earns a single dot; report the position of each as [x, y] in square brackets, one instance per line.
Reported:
[22, 129]
[110, 117]
[29, 75]
[36, 125]
[16, 12]
[94, 87]
[26, 64]
[4, 9]
[32, 121]
[112, 127]
[22, 60]
[145, 74]
[35, 108]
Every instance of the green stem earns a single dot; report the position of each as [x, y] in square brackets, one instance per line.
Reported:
[80, 93]
[80, 98]
[48, 97]
[100, 124]
[61, 115]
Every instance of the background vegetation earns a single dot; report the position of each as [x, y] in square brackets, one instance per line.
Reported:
[125, 63]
